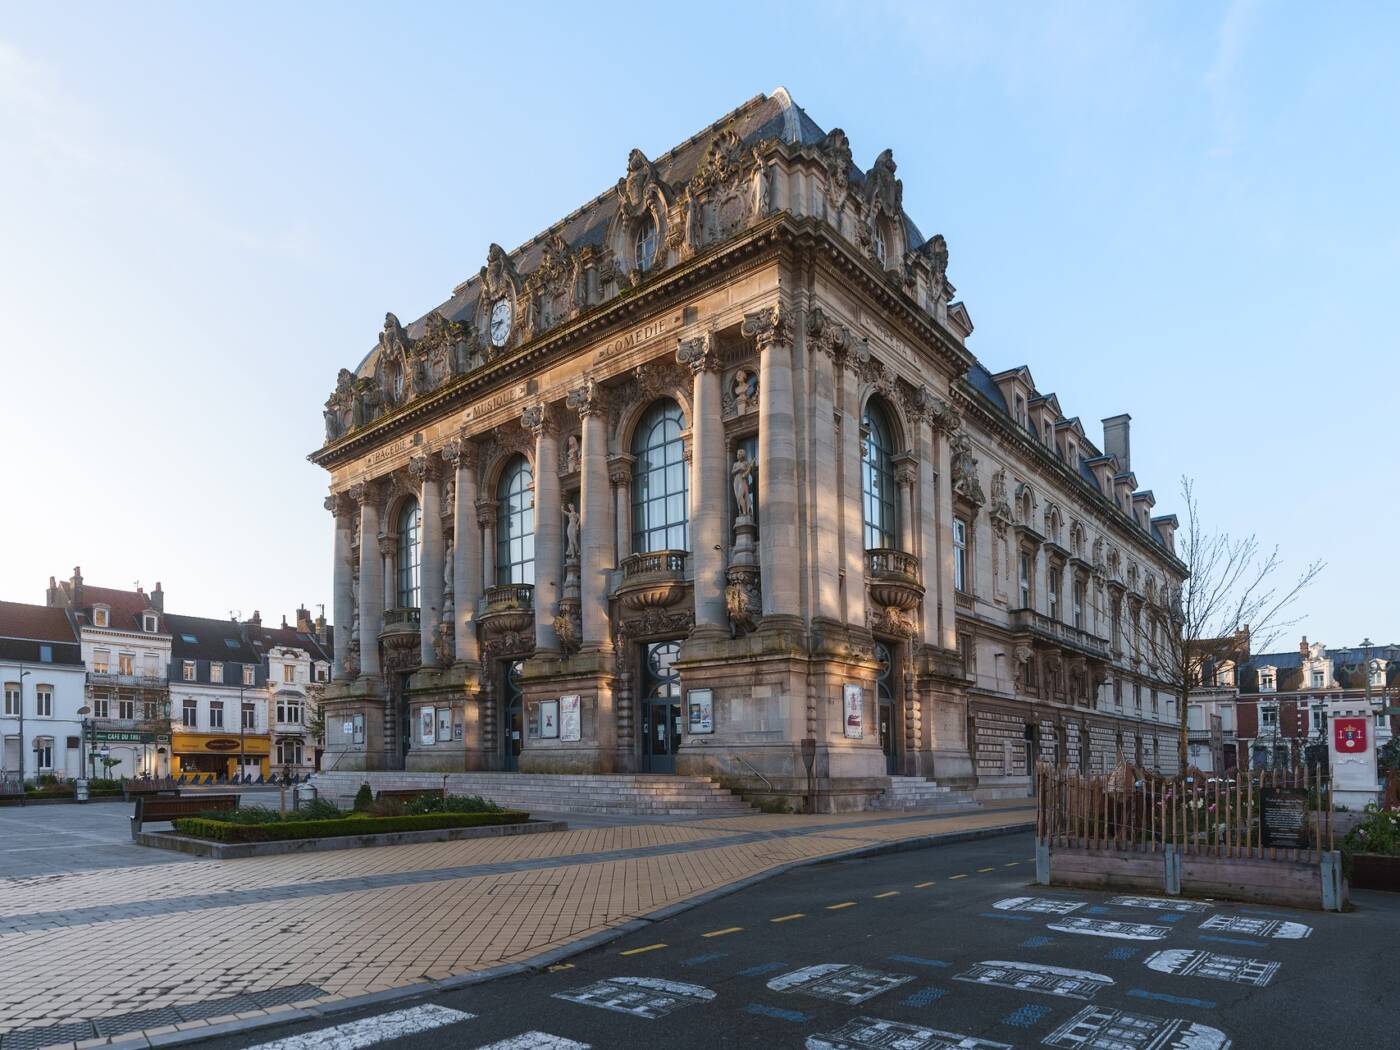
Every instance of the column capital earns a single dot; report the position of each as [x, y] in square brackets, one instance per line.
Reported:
[699, 354]
[459, 452]
[591, 399]
[833, 340]
[771, 326]
[540, 420]
[485, 512]
[906, 469]
[363, 492]
[620, 468]
[424, 468]
[339, 503]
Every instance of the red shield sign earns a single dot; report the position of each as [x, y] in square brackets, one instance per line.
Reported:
[1349, 735]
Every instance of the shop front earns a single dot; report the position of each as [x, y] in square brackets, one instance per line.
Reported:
[220, 754]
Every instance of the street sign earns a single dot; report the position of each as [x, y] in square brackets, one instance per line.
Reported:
[120, 736]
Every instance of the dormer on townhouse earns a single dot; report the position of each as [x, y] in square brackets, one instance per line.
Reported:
[1017, 389]
[1124, 485]
[1070, 442]
[1164, 529]
[101, 615]
[1045, 412]
[1268, 678]
[150, 621]
[1143, 502]
[1102, 469]
[1315, 666]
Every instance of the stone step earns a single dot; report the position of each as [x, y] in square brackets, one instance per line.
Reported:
[918, 793]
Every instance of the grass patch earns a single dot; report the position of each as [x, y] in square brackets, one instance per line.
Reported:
[222, 829]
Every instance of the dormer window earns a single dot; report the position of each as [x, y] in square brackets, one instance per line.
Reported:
[99, 616]
[1267, 679]
[644, 251]
[880, 243]
[1377, 673]
[1319, 679]
[1021, 410]
[148, 623]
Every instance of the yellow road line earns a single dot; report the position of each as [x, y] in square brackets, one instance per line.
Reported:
[889, 893]
[951, 877]
[561, 966]
[789, 918]
[983, 871]
[1011, 863]
[638, 951]
[924, 885]
[843, 904]
[721, 933]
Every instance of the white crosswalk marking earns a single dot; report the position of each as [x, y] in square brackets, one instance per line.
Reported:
[370, 1030]
[536, 1041]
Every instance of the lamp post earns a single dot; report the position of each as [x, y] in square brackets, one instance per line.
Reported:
[82, 785]
[242, 726]
[23, 674]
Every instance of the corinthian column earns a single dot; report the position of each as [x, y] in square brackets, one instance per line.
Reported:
[548, 520]
[342, 592]
[596, 529]
[466, 550]
[708, 483]
[945, 420]
[425, 470]
[778, 539]
[366, 494]
[905, 471]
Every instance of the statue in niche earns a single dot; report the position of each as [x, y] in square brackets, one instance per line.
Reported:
[449, 604]
[739, 474]
[571, 539]
[745, 389]
[571, 454]
[964, 469]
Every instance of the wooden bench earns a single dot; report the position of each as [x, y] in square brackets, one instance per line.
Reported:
[408, 795]
[151, 809]
[148, 789]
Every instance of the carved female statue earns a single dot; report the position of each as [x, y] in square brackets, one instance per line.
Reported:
[570, 533]
[739, 474]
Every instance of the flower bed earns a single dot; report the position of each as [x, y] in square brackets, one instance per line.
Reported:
[1372, 850]
[231, 831]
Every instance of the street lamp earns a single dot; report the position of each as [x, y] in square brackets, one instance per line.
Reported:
[23, 674]
[82, 785]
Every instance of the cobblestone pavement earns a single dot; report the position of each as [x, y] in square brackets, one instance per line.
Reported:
[165, 939]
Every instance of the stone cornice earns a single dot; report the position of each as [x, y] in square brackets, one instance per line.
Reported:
[781, 234]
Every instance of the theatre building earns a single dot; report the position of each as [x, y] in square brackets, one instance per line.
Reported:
[704, 479]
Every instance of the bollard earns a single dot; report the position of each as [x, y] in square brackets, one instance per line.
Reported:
[1332, 881]
[1042, 862]
[1171, 871]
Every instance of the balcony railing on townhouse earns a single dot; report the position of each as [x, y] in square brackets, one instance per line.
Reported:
[653, 579]
[111, 680]
[893, 578]
[508, 608]
[1048, 628]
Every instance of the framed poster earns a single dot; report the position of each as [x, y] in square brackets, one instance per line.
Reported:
[549, 719]
[571, 717]
[427, 731]
[456, 730]
[854, 703]
[701, 705]
[359, 730]
[444, 723]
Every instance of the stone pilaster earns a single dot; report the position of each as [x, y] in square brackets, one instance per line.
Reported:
[779, 542]
[342, 587]
[828, 343]
[426, 471]
[905, 474]
[367, 495]
[486, 519]
[540, 421]
[620, 474]
[852, 515]
[460, 454]
[596, 528]
[708, 482]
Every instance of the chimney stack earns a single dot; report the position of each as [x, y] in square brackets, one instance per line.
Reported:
[1115, 441]
[78, 602]
[158, 598]
[304, 624]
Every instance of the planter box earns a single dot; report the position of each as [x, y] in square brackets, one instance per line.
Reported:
[1375, 871]
[237, 850]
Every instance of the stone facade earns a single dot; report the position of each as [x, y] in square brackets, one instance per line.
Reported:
[704, 479]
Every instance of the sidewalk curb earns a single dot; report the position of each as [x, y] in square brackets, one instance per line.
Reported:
[543, 960]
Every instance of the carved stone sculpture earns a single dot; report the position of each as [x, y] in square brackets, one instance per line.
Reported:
[571, 533]
[569, 462]
[964, 469]
[740, 474]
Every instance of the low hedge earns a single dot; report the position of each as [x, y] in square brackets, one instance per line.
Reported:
[226, 831]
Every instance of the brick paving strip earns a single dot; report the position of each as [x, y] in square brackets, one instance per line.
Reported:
[371, 925]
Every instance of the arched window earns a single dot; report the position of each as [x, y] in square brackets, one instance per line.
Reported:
[515, 523]
[408, 555]
[660, 481]
[877, 481]
[644, 251]
[880, 250]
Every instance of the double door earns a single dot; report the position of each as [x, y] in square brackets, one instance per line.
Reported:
[661, 707]
[512, 716]
[886, 690]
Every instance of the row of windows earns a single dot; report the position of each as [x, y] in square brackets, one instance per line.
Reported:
[43, 701]
[126, 707]
[189, 672]
[101, 617]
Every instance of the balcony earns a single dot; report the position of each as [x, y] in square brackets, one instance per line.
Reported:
[653, 580]
[893, 578]
[508, 608]
[108, 680]
[400, 619]
[1047, 629]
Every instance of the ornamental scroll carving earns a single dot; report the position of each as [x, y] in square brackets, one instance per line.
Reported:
[771, 326]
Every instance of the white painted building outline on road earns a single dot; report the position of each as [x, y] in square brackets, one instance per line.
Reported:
[1039, 905]
[1186, 962]
[1122, 931]
[839, 982]
[367, 1031]
[1276, 928]
[1159, 904]
[873, 1033]
[1103, 1028]
[1034, 977]
[649, 997]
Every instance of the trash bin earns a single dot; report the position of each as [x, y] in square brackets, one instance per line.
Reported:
[80, 790]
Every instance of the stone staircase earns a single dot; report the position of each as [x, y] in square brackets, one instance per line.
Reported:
[918, 793]
[641, 794]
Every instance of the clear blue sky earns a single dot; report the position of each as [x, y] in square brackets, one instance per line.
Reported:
[1189, 212]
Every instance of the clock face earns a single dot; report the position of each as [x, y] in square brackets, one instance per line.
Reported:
[500, 322]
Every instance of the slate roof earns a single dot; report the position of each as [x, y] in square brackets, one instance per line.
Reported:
[24, 629]
[265, 638]
[219, 641]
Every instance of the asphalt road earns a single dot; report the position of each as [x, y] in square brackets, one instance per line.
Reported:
[921, 951]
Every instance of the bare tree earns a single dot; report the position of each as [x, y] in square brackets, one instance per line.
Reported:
[1231, 601]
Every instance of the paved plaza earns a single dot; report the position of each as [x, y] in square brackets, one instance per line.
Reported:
[164, 942]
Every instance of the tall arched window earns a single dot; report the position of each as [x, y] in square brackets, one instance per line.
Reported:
[877, 481]
[660, 481]
[408, 555]
[515, 523]
[644, 251]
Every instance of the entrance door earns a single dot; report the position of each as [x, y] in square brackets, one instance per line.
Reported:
[885, 705]
[661, 707]
[512, 715]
